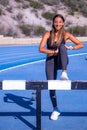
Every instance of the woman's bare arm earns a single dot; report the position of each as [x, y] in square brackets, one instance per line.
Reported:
[43, 43]
[78, 44]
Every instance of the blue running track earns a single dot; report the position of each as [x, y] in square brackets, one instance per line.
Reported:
[18, 108]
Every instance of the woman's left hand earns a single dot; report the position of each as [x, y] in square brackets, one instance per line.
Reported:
[69, 47]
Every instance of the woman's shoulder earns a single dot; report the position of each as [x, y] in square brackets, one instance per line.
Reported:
[66, 35]
[47, 34]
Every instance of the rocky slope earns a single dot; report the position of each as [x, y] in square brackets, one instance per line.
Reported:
[24, 18]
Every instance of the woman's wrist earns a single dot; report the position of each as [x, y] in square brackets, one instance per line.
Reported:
[55, 53]
[71, 48]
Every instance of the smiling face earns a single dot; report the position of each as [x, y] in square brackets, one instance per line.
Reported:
[58, 23]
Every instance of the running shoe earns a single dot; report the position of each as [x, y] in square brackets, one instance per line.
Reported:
[55, 114]
[64, 76]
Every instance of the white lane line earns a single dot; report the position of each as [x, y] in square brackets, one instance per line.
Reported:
[17, 66]
[80, 54]
[35, 62]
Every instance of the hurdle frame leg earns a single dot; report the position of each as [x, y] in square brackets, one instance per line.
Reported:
[38, 108]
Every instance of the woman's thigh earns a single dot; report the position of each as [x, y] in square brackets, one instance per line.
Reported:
[51, 71]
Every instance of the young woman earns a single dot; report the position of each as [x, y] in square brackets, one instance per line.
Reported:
[53, 44]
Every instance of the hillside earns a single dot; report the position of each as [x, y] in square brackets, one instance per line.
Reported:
[28, 18]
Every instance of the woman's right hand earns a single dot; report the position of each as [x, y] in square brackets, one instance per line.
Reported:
[56, 52]
[53, 52]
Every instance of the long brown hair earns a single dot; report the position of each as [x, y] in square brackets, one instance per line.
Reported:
[60, 33]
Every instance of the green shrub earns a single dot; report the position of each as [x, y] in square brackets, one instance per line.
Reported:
[29, 30]
[78, 30]
[26, 29]
[18, 0]
[9, 32]
[1, 11]
[4, 2]
[39, 30]
[48, 15]
[76, 6]
[35, 4]
[50, 2]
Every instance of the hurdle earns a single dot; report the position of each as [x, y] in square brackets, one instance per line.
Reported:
[41, 85]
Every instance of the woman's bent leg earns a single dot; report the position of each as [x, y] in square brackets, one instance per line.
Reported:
[64, 61]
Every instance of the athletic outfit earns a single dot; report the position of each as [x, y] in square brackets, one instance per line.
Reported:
[53, 63]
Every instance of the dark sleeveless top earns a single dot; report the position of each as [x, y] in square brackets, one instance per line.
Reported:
[62, 54]
[54, 47]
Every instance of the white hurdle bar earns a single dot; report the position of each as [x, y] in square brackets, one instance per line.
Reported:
[47, 84]
[40, 85]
